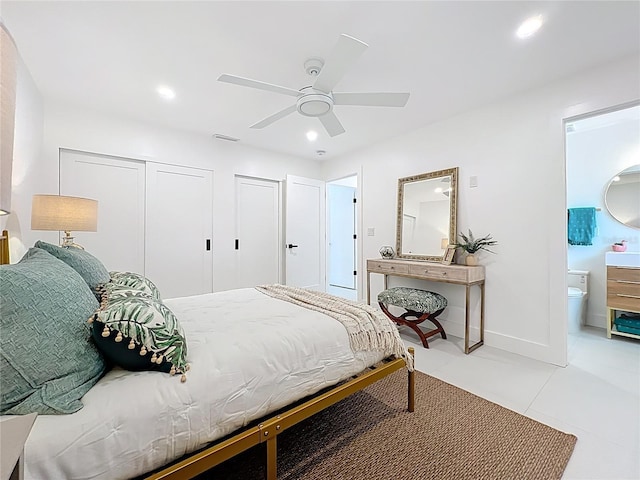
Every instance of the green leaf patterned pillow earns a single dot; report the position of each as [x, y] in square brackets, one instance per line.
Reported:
[134, 281]
[137, 332]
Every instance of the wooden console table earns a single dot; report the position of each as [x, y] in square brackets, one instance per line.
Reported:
[435, 272]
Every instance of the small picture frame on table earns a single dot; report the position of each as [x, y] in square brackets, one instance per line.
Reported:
[447, 258]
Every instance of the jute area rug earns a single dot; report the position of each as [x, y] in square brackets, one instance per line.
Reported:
[452, 434]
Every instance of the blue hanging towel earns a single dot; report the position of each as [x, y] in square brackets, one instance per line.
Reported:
[581, 226]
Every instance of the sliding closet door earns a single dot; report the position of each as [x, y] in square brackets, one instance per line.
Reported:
[258, 232]
[178, 243]
[118, 184]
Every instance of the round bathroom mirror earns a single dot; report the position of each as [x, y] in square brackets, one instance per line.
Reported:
[622, 197]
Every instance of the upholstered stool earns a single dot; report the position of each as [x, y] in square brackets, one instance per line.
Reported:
[420, 304]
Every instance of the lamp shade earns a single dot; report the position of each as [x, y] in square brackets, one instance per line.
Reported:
[8, 79]
[57, 212]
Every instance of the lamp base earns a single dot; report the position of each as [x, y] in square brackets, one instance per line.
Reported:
[67, 241]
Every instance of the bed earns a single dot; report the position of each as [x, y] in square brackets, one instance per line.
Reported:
[258, 366]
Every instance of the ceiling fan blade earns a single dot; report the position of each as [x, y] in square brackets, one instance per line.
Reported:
[331, 124]
[275, 117]
[344, 54]
[371, 99]
[247, 82]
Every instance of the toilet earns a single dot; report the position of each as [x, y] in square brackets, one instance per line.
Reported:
[578, 281]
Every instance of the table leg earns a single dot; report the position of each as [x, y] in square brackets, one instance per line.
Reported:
[368, 287]
[466, 319]
[468, 349]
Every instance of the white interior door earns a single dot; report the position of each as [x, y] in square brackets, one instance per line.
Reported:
[118, 184]
[179, 257]
[342, 236]
[305, 233]
[258, 232]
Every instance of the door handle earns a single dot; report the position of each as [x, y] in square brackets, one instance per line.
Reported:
[291, 245]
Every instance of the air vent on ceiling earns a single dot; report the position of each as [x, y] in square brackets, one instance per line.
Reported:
[219, 136]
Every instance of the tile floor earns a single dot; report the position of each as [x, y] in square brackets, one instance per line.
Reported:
[596, 397]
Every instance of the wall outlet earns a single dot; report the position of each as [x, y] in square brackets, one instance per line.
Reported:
[473, 181]
[371, 232]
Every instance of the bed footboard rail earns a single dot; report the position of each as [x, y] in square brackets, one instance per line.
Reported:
[268, 430]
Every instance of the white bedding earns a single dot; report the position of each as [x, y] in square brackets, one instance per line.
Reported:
[250, 354]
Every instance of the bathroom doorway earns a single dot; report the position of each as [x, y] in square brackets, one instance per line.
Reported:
[598, 146]
[342, 237]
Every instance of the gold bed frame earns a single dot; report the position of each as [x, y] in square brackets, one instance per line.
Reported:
[270, 427]
[4, 248]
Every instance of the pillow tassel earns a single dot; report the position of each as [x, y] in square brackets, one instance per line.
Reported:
[154, 357]
[132, 345]
[143, 351]
[106, 332]
[118, 337]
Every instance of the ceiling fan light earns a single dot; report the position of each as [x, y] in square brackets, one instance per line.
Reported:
[314, 105]
[312, 135]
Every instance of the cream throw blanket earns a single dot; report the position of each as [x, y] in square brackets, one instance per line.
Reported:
[367, 327]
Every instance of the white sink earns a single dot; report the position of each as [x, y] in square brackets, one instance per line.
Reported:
[623, 259]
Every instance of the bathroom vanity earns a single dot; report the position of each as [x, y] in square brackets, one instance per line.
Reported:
[623, 288]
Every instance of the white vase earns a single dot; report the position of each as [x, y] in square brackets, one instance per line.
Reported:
[471, 260]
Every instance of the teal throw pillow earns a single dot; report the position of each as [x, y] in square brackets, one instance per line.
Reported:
[136, 332]
[47, 358]
[88, 266]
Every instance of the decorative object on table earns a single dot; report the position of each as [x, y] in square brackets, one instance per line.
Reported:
[387, 252]
[581, 225]
[620, 246]
[61, 213]
[473, 245]
[450, 251]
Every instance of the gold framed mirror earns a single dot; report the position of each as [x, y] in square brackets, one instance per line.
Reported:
[427, 215]
[622, 197]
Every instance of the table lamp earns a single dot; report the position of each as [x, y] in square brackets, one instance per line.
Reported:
[61, 213]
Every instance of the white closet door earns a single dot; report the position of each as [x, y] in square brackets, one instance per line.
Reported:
[118, 184]
[178, 243]
[258, 232]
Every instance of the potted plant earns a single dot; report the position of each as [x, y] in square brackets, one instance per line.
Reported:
[472, 245]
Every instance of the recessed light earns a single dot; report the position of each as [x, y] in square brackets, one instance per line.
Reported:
[616, 178]
[529, 27]
[166, 92]
[312, 135]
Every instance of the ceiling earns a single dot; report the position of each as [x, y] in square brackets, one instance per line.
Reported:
[451, 56]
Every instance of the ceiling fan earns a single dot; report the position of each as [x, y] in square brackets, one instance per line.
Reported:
[319, 99]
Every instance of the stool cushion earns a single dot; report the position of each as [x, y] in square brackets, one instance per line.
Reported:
[413, 299]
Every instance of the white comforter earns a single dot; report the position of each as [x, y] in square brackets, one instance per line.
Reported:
[250, 354]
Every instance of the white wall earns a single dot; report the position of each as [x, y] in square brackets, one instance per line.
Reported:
[516, 150]
[594, 157]
[66, 127]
